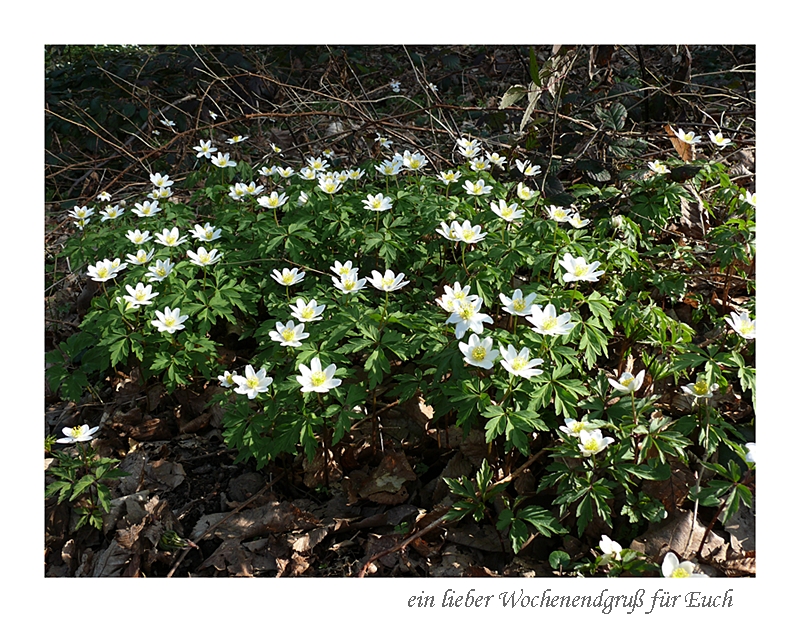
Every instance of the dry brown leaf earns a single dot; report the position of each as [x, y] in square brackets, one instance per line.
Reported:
[686, 152]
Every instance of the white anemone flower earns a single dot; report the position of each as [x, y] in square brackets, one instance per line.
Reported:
[349, 284]
[203, 257]
[78, 434]
[141, 257]
[226, 379]
[111, 213]
[206, 233]
[478, 188]
[674, 569]
[307, 311]
[658, 167]
[448, 177]
[628, 383]
[528, 169]
[466, 232]
[141, 295]
[161, 181]
[478, 352]
[687, 137]
[316, 379]
[288, 334]
[390, 168]
[520, 363]
[454, 296]
[448, 231]
[160, 271]
[751, 452]
[414, 161]
[523, 192]
[700, 389]
[288, 277]
[252, 383]
[611, 549]
[204, 149]
[170, 320]
[593, 442]
[106, 270]
[576, 269]
[377, 203]
[273, 201]
[573, 427]
[223, 160]
[146, 209]
[509, 213]
[81, 213]
[577, 222]
[138, 237]
[170, 237]
[718, 139]
[518, 304]
[558, 213]
[480, 164]
[340, 269]
[467, 316]
[546, 322]
[497, 160]
[742, 324]
[387, 282]
[329, 185]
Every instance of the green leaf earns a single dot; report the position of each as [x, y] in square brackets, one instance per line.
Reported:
[82, 484]
[613, 117]
[559, 560]
[541, 519]
[518, 534]
[533, 67]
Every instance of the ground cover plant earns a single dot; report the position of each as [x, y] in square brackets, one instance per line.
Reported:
[348, 332]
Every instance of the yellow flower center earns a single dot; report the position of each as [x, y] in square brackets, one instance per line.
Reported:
[746, 328]
[518, 304]
[307, 313]
[169, 321]
[701, 387]
[252, 382]
[591, 445]
[102, 272]
[577, 426]
[549, 323]
[75, 432]
[288, 334]
[161, 271]
[466, 312]
[581, 270]
[318, 378]
[626, 382]
[349, 284]
[680, 573]
[140, 295]
[170, 239]
[479, 353]
[559, 213]
[468, 234]
[387, 283]
[519, 363]
[287, 278]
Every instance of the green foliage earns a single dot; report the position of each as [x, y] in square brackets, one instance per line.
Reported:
[82, 481]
